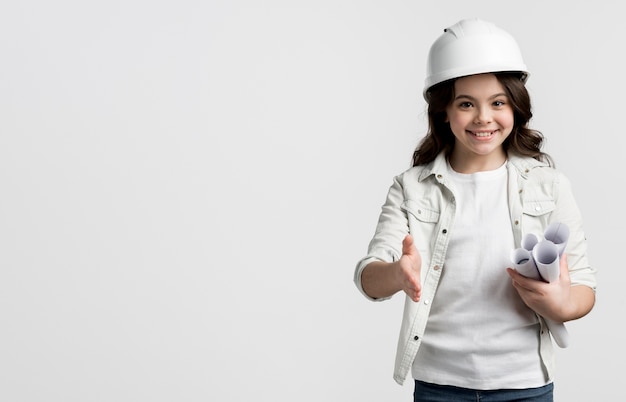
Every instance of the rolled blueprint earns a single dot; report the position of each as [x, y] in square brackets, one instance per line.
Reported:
[546, 257]
[540, 260]
[557, 233]
[523, 259]
[559, 332]
[523, 263]
[529, 241]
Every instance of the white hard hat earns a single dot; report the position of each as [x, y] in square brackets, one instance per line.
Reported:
[472, 46]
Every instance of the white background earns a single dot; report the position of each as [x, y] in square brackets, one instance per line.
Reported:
[186, 187]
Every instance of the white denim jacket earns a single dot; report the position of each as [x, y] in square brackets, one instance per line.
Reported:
[421, 202]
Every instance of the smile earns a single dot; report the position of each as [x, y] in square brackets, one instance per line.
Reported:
[482, 133]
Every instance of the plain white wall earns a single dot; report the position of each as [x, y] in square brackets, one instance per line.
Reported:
[187, 185]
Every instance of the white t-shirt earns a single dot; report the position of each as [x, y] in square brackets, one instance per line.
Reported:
[479, 333]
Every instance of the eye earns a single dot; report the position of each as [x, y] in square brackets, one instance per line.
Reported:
[465, 105]
[498, 103]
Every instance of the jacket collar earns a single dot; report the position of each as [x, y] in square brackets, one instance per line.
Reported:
[522, 164]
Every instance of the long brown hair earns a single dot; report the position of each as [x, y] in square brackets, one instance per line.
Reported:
[522, 140]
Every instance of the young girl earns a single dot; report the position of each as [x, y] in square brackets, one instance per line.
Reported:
[473, 327]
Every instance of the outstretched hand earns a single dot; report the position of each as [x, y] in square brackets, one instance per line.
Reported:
[409, 269]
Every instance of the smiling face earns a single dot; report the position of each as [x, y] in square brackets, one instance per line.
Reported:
[481, 118]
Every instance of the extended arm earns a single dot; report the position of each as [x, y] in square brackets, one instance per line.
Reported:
[384, 279]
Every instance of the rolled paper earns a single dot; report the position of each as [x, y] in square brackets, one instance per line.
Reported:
[540, 260]
[559, 332]
[557, 233]
[523, 263]
[546, 257]
[529, 241]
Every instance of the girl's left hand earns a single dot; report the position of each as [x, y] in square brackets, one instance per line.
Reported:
[550, 300]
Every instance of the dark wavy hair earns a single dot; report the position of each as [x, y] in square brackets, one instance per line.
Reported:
[522, 140]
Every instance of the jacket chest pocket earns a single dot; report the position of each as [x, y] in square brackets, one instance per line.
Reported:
[538, 200]
[536, 215]
[539, 208]
[420, 213]
[423, 219]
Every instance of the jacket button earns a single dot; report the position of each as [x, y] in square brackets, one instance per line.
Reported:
[444, 231]
[416, 337]
[436, 267]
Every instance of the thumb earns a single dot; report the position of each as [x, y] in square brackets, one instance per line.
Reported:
[564, 269]
[407, 245]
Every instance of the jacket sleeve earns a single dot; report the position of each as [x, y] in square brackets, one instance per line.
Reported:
[567, 211]
[392, 227]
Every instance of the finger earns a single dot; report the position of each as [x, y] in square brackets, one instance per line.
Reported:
[407, 244]
[414, 284]
[516, 276]
[564, 268]
[414, 294]
[520, 281]
[512, 273]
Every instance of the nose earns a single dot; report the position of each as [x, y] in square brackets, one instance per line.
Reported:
[483, 115]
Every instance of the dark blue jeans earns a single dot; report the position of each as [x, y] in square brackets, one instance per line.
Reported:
[426, 392]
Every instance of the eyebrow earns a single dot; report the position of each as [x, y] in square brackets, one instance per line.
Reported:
[473, 99]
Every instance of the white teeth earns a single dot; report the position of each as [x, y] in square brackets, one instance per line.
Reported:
[482, 134]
